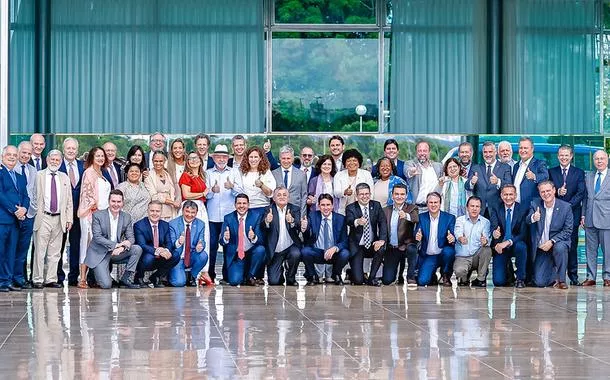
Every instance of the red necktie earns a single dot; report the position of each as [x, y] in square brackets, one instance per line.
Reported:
[241, 239]
[155, 236]
[187, 246]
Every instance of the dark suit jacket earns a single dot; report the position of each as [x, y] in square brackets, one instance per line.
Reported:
[575, 186]
[272, 233]
[43, 162]
[497, 218]
[406, 234]
[231, 221]
[400, 170]
[144, 236]
[12, 196]
[312, 169]
[80, 166]
[446, 222]
[489, 193]
[119, 173]
[529, 188]
[560, 229]
[379, 225]
[310, 236]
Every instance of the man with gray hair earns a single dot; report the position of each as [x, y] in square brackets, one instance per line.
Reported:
[156, 142]
[292, 178]
[38, 144]
[465, 155]
[505, 153]
[25, 228]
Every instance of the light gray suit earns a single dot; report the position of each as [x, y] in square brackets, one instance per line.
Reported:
[297, 190]
[415, 181]
[99, 253]
[597, 224]
[30, 172]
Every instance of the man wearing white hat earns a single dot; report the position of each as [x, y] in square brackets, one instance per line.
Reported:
[224, 183]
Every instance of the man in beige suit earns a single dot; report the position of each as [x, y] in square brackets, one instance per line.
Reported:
[53, 219]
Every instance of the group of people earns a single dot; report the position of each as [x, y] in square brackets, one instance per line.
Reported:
[165, 213]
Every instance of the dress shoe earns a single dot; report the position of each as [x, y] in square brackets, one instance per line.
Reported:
[519, 284]
[433, 280]
[560, 285]
[13, 288]
[588, 283]
[575, 283]
[25, 285]
[260, 281]
[606, 282]
[447, 281]
[17, 286]
[292, 283]
[400, 281]
[311, 283]
[463, 283]
[252, 282]
[53, 285]
[374, 282]
[155, 282]
[128, 284]
[37, 285]
[73, 283]
[223, 282]
[476, 283]
[337, 280]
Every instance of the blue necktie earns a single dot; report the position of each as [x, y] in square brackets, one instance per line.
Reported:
[38, 164]
[598, 182]
[326, 237]
[508, 233]
[286, 178]
[12, 172]
[23, 174]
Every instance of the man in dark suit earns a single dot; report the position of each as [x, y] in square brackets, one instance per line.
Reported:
[292, 178]
[437, 243]
[242, 243]
[152, 235]
[38, 144]
[14, 204]
[113, 242]
[465, 152]
[26, 226]
[367, 236]
[551, 221]
[74, 169]
[202, 145]
[112, 172]
[306, 165]
[486, 180]
[508, 241]
[401, 218]
[570, 184]
[281, 225]
[325, 236]
[391, 151]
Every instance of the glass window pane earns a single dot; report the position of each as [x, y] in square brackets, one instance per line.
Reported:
[320, 78]
[325, 11]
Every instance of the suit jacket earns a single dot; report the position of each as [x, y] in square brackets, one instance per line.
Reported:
[144, 236]
[489, 193]
[272, 233]
[446, 222]
[597, 206]
[297, 189]
[119, 173]
[415, 181]
[379, 225]
[12, 196]
[528, 189]
[80, 166]
[312, 172]
[400, 170]
[406, 234]
[575, 186]
[310, 236]
[518, 227]
[560, 230]
[101, 245]
[43, 162]
[231, 221]
[31, 186]
[65, 206]
[177, 228]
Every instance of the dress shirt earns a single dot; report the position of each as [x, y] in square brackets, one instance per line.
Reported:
[433, 248]
[284, 240]
[37, 162]
[247, 243]
[256, 195]
[222, 203]
[289, 182]
[22, 168]
[512, 215]
[394, 227]
[75, 166]
[307, 171]
[114, 226]
[339, 163]
[520, 175]
[320, 241]
[365, 209]
[47, 191]
[567, 169]
[464, 226]
[601, 180]
[429, 181]
[547, 224]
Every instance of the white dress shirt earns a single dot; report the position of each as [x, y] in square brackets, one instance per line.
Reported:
[284, 240]
[429, 181]
[114, 226]
[47, 191]
[520, 175]
[433, 248]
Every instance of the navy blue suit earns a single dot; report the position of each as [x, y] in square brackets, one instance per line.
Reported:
[429, 263]
[12, 196]
[551, 266]
[576, 191]
[312, 255]
[292, 255]
[74, 234]
[400, 170]
[43, 162]
[528, 190]
[518, 248]
[488, 192]
[254, 258]
[119, 173]
[144, 238]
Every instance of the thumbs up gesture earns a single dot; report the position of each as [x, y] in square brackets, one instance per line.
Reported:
[258, 182]
[475, 178]
[412, 171]
[462, 239]
[493, 179]
[289, 217]
[497, 233]
[530, 174]
[348, 192]
[181, 238]
[310, 200]
[450, 237]
[419, 235]
[251, 235]
[536, 215]
[228, 184]
[304, 224]
[483, 240]
[562, 190]
[227, 234]
[199, 246]
[216, 188]
[268, 217]
[267, 146]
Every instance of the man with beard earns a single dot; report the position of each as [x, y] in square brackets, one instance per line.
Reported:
[422, 175]
[465, 155]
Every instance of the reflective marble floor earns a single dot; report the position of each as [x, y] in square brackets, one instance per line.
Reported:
[317, 332]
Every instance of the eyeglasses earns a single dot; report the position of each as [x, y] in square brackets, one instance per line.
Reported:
[157, 140]
[193, 158]
[307, 155]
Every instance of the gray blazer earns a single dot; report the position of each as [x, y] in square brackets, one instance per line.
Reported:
[101, 245]
[31, 178]
[597, 206]
[415, 181]
[298, 187]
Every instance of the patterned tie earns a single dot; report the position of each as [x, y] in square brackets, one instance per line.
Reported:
[326, 240]
[71, 174]
[367, 229]
[156, 236]
[598, 182]
[38, 163]
[508, 225]
[115, 180]
[286, 178]
[187, 246]
[565, 176]
[53, 206]
[241, 239]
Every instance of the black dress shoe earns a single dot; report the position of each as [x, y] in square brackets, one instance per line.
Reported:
[338, 280]
[53, 285]
[374, 282]
[128, 284]
[463, 283]
[476, 283]
[400, 281]
[37, 286]
[17, 286]
[72, 282]
[574, 283]
[26, 285]
[292, 283]
[156, 283]
[251, 282]
[519, 284]
[13, 288]
[311, 283]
